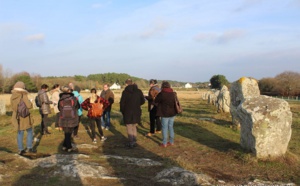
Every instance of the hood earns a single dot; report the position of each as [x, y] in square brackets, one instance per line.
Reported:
[76, 94]
[65, 95]
[16, 93]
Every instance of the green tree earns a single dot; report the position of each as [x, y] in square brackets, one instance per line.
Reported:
[217, 81]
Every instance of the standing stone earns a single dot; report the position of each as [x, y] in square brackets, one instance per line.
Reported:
[265, 121]
[2, 107]
[223, 101]
[239, 91]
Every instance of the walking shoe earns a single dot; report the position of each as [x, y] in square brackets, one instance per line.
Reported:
[21, 152]
[72, 149]
[149, 134]
[95, 140]
[31, 150]
[158, 132]
[163, 145]
[106, 128]
[64, 148]
[102, 127]
[170, 144]
[103, 138]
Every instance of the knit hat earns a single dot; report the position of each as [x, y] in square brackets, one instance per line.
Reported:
[19, 84]
[65, 89]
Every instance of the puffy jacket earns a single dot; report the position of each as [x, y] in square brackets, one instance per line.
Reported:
[45, 102]
[23, 123]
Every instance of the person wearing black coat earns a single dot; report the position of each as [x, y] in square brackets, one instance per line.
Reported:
[166, 110]
[130, 105]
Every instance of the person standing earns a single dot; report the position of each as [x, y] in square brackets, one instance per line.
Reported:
[76, 91]
[87, 105]
[155, 122]
[55, 98]
[166, 110]
[19, 123]
[108, 95]
[130, 105]
[45, 108]
[68, 120]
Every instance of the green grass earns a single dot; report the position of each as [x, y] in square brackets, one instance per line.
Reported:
[203, 146]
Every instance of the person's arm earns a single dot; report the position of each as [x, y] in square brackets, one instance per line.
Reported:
[85, 104]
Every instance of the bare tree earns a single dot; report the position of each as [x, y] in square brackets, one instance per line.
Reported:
[288, 83]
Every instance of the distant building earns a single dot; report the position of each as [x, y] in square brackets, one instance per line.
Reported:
[115, 86]
[188, 85]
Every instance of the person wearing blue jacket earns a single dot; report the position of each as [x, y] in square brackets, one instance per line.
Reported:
[76, 92]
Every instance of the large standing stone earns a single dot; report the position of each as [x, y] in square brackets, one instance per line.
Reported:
[223, 101]
[239, 91]
[265, 121]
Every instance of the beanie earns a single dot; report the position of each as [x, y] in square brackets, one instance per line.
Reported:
[19, 84]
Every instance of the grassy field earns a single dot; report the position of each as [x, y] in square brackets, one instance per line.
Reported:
[202, 145]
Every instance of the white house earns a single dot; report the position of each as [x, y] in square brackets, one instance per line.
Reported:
[188, 85]
[115, 86]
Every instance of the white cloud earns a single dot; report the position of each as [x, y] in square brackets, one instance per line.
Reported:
[36, 38]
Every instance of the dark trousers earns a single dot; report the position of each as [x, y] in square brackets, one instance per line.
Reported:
[56, 120]
[96, 121]
[44, 123]
[154, 121]
[77, 127]
[67, 141]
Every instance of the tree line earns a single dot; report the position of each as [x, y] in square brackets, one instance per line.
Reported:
[284, 84]
[33, 82]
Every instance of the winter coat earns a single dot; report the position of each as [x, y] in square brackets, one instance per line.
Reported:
[109, 96]
[67, 122]
[45, 102]
[86, 105]
[24, 123]
[165, 101]
[130, 104]
[153, 91]
[55, 99]
[80, 100]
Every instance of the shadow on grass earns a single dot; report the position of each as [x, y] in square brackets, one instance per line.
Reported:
[133, 173]
[205, 137]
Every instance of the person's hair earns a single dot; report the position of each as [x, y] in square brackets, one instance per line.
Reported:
[106, 85]
[77, 88]
[44, 86]
[165, 84]
[93, 90]
[55, 86]
[71, 85]
[152, 81]
[128, 81]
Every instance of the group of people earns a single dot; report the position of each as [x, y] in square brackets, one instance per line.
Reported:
[68, 105]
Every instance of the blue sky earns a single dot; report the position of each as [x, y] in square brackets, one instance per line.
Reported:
[181, 40]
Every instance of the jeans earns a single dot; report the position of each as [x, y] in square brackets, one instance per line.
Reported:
[167, 126]
[29, 138]
[106, 119]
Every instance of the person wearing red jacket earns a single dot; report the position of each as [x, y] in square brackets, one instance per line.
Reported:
[87, 105]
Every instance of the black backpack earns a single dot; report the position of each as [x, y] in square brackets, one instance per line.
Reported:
[37, 101]
[22, 110]
[68, 110]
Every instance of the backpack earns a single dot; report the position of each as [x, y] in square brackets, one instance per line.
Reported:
[37, 101]
[22, 110]
[67, 111]
[97, 109]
